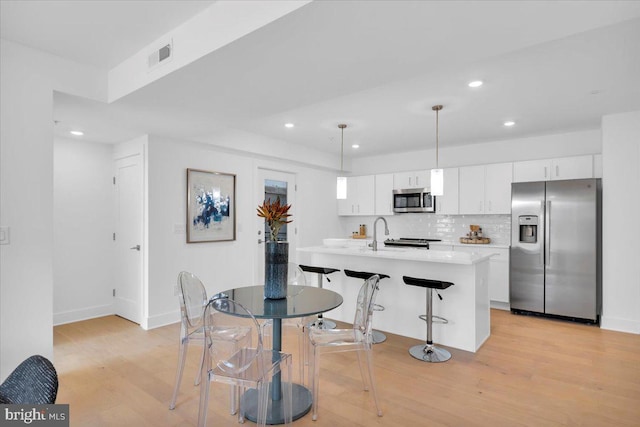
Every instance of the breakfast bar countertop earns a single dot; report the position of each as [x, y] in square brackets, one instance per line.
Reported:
[404, 254]
[466, 304]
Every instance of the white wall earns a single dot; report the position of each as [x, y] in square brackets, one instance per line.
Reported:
[621, 210]
[221, 265]
[82, 230]
[27, 81]
[537, 147]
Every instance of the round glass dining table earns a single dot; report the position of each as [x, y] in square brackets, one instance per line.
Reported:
[301, 301]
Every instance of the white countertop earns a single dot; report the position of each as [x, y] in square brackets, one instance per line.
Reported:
[468, 245]
[404, 254]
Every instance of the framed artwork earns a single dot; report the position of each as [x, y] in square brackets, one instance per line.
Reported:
[211, 206]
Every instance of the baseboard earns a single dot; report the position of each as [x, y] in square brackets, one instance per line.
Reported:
[82, 314]
[500, 305]
[162, 320]
[620, 325]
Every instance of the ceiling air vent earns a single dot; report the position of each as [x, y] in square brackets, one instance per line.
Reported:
[161, 55]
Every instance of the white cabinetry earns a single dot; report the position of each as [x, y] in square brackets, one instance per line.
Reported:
[448, 203]
[360, 196]
[498, 273]
[553, 169]
[597, 166]
[486, 189]
[413, 179]
[439, 246]
[384, 194]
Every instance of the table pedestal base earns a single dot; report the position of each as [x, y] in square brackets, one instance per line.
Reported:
[301, 397]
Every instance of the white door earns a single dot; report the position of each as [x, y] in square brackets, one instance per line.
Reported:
[272, 184]
[128, 239]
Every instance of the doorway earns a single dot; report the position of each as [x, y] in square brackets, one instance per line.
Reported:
[127, 292]
[271, 185]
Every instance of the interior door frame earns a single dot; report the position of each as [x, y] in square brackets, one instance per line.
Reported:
[292, 236]
[139, 147]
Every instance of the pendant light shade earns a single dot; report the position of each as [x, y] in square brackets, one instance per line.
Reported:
[437, 174]
[341, 182]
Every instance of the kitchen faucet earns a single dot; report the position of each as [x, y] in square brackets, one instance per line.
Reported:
[374, 244]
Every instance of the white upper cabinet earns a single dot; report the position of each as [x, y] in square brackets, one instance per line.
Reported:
[448, 203]
[497, 196]
[553, 169]
[360, 196]
[413, 179]
[572, 167]
[486, 189]
[384, 194]
[471, 190]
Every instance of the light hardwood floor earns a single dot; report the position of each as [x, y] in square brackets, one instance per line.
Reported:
[531, 372]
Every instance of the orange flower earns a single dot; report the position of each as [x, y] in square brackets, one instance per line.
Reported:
[275, 214]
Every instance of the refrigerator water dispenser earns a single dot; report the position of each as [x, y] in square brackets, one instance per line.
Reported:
[528, 228]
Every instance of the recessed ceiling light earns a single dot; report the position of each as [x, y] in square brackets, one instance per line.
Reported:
[76, 132]
[355, 146]
[289, 125]
[475, 83]
[509, 123]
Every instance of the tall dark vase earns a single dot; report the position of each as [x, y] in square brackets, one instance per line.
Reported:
[276, 259]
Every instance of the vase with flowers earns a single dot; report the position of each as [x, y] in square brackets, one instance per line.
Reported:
[276, 254]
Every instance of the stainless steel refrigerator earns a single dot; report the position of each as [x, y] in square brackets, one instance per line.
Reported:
[556, 256]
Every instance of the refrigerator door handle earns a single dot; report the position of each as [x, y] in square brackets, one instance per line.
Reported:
[547, 237]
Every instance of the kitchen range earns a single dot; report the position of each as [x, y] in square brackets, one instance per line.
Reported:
[409, 242]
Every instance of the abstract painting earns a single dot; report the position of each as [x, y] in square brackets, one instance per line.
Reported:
[211, 198]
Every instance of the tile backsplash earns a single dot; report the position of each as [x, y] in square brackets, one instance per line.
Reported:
[425, 225]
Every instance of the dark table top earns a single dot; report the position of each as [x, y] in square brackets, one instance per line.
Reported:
[301, 301]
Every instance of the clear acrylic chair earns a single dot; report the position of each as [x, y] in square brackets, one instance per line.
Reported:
[268, 371]
[358, 339]
[193, 300]
[295, 276]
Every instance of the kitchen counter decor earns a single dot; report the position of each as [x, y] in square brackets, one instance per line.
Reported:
[475, 237]
[276, 253]
[475, 240]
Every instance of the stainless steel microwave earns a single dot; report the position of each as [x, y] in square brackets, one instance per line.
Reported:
[413, 200]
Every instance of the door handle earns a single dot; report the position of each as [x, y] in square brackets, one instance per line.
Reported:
[260, 241]
[136, 247]
[548, 234]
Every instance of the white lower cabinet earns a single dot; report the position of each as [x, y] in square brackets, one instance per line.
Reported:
[498, 273]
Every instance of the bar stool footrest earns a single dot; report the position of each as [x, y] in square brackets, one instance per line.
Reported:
[434, 319]
[378, 307]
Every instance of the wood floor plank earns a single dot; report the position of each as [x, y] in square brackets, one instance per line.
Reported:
[531, 372]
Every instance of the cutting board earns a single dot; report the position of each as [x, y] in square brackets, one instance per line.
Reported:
[475, 240]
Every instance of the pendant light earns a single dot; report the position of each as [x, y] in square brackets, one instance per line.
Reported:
[437, 174]
[341, 183]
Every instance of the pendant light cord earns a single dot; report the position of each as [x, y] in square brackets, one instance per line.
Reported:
[342, 126]
[437, 109]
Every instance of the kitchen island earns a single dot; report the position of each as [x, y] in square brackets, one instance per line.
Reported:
[465, 305]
